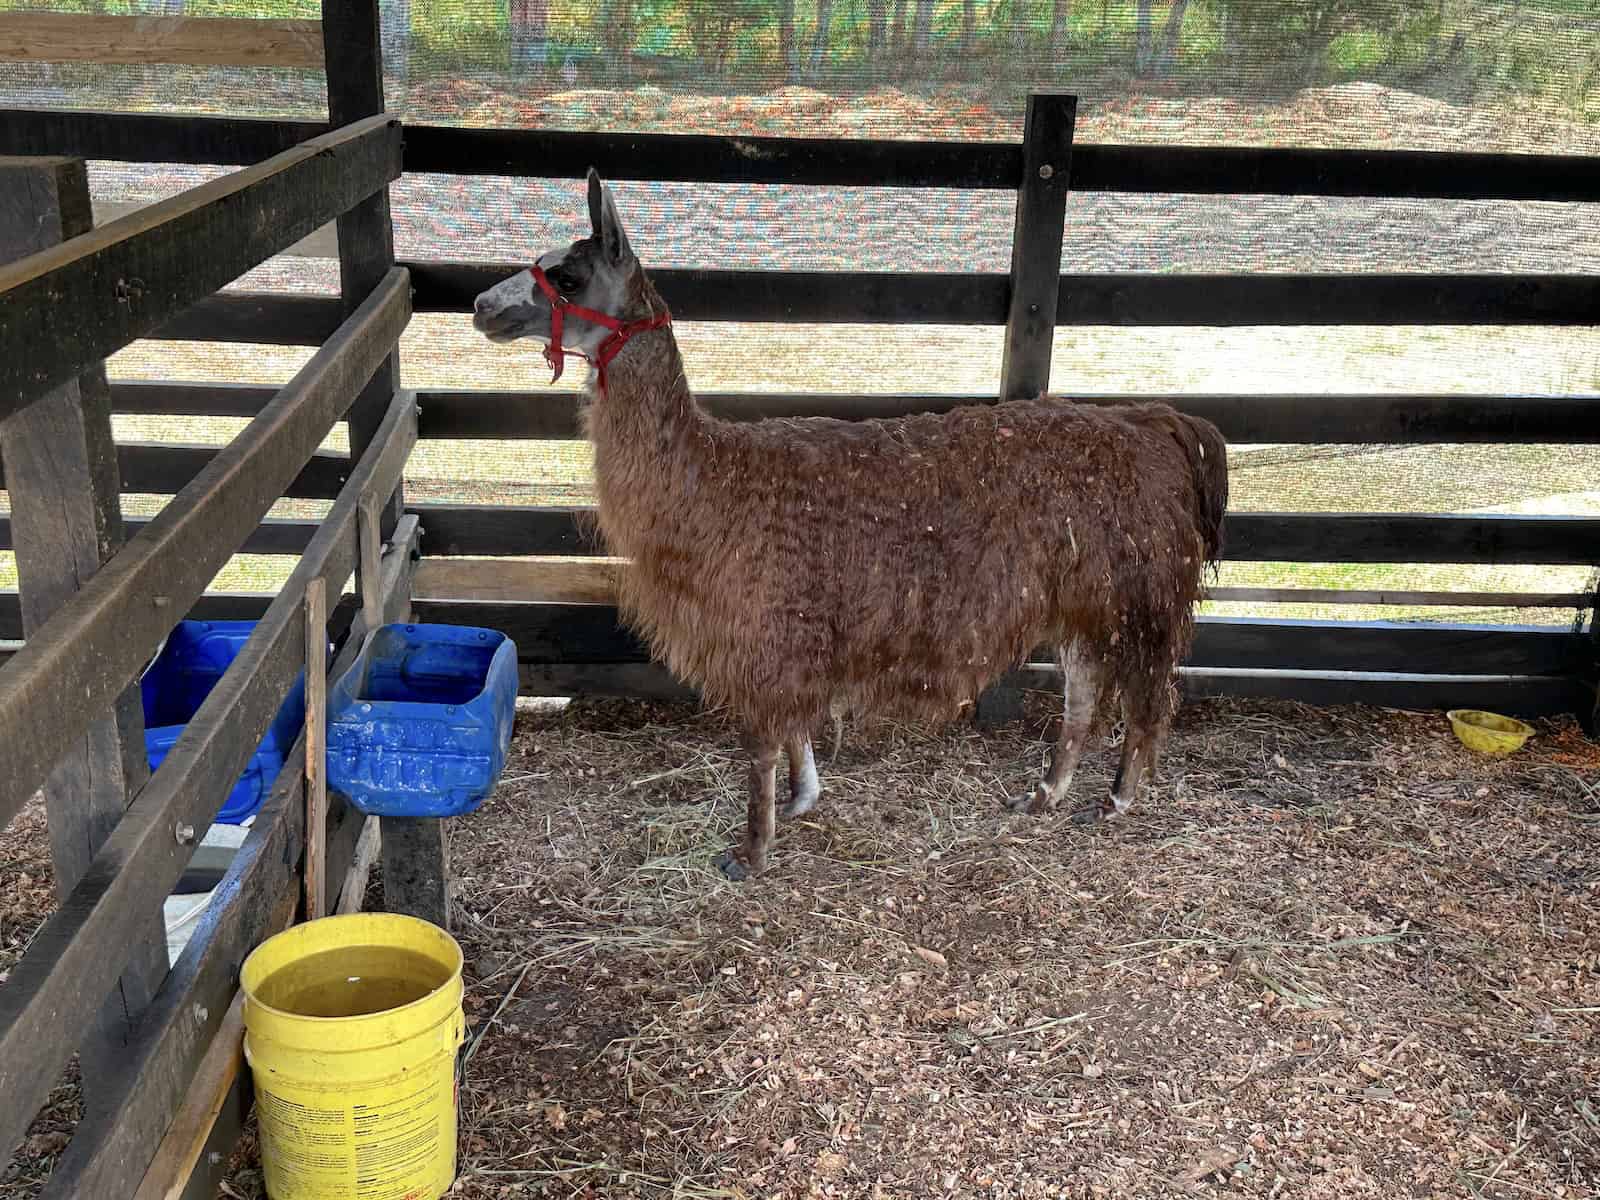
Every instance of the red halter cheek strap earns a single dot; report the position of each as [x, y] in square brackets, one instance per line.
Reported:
[560, 307]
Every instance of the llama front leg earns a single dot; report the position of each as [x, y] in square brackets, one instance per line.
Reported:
[1080, 674]
[760, 813]
[804, 786]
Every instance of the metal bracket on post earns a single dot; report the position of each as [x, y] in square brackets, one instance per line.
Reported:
[316, 767]
[1035, 288]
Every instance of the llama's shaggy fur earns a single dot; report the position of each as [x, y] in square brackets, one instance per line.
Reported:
[789, 568]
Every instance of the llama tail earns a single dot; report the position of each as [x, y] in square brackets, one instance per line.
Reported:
[1208, 460]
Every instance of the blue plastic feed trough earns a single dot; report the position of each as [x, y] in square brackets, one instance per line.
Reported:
[420, 724]
[196, 655]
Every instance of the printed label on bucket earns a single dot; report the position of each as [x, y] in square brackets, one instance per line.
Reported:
[397, 1146]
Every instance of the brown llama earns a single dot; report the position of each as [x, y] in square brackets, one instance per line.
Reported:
[791, 568]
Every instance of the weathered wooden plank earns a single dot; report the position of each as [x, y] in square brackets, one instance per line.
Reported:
[352, 31]
[316, 758]
[837, 162]
[163, 399]
[319, 244]
[416, 868]
[1343, 419]
[1523, 696]
[852, 162]
[454, 530]
[547, 581]
[96, 643]
[1123, 299]
[208, 1092]
[572, 634]
[213, 606]
[199, 41]
[642, 681]
[594, 581]
[141, 861]
[67, 520]
[493, 530]
[164, 468]
[1409, 537]
[275, 535]
[68, 306]
[1036, 238]
[354, 888]
[1416, 599]
[151, 137]
[256, 318]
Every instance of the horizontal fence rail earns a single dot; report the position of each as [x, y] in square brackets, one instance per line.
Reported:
[1277, 418]
[77, 303]
[1524, 695]
[843, 162]
[511, 530]
[1123, 299]
[164, 468]
[1344, 419]
[567, 634]
[151, 137]
[261, 318]
[275, 535]
[98, 640]
[198, 41]
[544, 581]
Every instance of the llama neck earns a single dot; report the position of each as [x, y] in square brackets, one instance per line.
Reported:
[644, 427]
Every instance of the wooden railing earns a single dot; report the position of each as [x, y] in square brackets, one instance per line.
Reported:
[62, 310]
[1366, 656]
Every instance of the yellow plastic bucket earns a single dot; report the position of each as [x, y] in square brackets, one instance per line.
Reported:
[352, 1024]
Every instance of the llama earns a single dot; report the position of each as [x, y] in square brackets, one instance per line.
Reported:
[794, 568]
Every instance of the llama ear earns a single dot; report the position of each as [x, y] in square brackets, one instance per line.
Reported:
[596, 191]
[608, 230]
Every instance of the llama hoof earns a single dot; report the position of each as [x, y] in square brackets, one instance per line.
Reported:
[799, 806]
[728, 863]
[1093, 814]
[1033, 803]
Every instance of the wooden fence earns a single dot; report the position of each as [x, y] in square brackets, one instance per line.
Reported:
[565, 649]
[157, 272]
[162, 1079]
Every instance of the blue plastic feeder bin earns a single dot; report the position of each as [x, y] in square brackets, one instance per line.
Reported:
[196, 655]
[420, 724]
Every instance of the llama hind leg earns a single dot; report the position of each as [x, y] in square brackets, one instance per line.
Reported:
[804, 786]
[760, 813]
[1080, 674]
[1146, 719]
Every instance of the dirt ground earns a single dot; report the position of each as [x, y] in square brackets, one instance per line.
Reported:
[1333, 955]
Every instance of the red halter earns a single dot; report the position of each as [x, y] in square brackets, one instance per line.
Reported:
[555, 353]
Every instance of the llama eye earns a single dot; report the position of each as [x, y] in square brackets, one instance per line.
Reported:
[566, 283]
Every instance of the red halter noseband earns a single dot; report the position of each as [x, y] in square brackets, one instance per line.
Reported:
[556, 354]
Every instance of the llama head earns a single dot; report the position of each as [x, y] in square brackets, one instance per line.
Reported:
[598, 272]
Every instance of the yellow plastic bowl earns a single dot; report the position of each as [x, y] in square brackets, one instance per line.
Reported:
[1487, 732]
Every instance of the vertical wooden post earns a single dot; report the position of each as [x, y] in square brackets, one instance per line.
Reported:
[1035, 287]
[316, 749]
[415, 862]
[66, 520]
[369, 553]
[352, 41]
